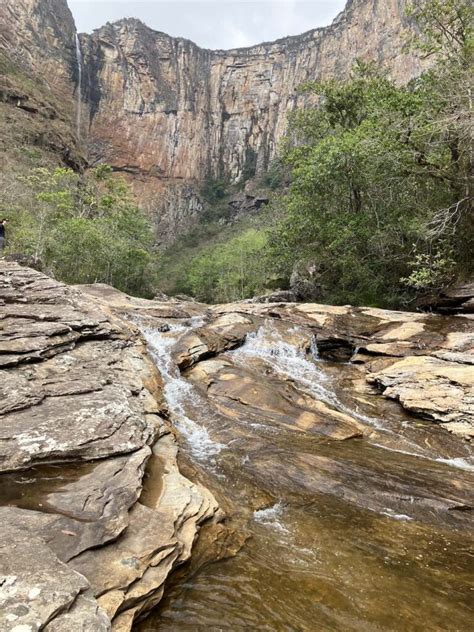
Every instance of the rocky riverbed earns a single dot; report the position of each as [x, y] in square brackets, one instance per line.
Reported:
[328, 447]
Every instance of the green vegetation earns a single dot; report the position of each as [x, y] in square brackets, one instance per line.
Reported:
[275, 176]
[215, 195]
[380, 200]
[207, 262]
[221, 258]
[381, 193]
[229, 271]
[250, 166]
[84, 229]
[374, 183]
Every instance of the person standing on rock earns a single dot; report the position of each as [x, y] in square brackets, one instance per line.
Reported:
[2, 235]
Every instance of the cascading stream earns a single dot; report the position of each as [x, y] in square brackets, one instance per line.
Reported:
[79, 61]
[293, 363]
[180, 394]
[325, 516]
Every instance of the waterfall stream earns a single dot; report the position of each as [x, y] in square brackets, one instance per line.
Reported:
[307, 373]
[179, 394]
[79, 61]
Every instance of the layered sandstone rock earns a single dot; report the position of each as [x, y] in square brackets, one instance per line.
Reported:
[423, 361]
[81, 426]
[90, 483]
[166, 112]
[210, 110]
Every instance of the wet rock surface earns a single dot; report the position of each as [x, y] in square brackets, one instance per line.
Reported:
[424, 361]
[321, 431]
[80, 419]
[348, 490]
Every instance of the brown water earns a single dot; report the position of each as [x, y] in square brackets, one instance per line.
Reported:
[41, 487]
[373, 533]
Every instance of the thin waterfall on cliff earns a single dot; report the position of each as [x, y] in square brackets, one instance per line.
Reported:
[79, 86]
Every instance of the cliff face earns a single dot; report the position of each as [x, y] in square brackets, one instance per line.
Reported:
[38, 81]
[168, 114]
[166, 108]
[40, 36]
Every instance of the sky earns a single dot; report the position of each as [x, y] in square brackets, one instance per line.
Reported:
[213, 23]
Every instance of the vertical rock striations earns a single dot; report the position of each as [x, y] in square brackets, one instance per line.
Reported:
[38, 84]
[168, 114]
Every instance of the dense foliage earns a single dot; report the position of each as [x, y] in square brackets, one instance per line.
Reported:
[218, 271]
[381, 195]
[84, 230]
[230, 271]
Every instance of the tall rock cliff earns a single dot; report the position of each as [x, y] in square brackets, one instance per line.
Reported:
[168, 114]
[38, 82]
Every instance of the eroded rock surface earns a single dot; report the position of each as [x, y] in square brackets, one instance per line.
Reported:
[436, 388]
[38, 591]
[167, 114]
[80, 418]
[295, 401]
[424, 361]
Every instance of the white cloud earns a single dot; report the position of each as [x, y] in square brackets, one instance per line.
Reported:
[213, 23]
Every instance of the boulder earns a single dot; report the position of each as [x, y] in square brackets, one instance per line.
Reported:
[432, 387]
[455, 299]
[225, 332]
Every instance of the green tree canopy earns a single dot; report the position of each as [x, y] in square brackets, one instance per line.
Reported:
[85, 229]
[381, 174]
[231, 271]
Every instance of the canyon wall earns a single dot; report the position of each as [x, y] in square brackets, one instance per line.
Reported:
[168, 114]
[40, 36]
[38, 87]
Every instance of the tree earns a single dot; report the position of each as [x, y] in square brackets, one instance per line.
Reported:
[446, 35]
[85, 229]
[381, 174]
[230, 271]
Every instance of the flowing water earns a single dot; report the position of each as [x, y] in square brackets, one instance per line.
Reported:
[79, 86]
[366, 534]
[180, 394]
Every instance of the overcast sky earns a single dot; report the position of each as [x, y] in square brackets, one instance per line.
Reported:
[213, 23]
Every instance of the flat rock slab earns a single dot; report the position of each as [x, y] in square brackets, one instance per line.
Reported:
[76, 385]
[76, 507]
[36, 587]
[80, 410]
[41, 317]
[432, 387]
[86, 426]
[245, 394]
